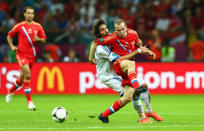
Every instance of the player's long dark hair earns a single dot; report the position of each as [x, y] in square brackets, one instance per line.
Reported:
[28, 7]
[95, 29]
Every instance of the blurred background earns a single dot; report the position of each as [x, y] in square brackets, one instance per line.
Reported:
[173, 29]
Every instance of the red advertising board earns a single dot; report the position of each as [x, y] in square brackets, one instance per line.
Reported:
[80, 78]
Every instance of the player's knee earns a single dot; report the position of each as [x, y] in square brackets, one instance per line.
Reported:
[131, 64]
[27, 76]
[128, 98]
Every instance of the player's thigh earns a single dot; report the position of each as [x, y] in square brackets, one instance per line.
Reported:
[126, 64]
[115, 84]
[25, 69]
[21, 77]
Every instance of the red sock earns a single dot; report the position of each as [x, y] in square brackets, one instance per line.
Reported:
[133, 78]
[15, 86]
[115, 107]
[27, 89]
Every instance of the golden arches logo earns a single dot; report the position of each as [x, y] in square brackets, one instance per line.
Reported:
[50, 74]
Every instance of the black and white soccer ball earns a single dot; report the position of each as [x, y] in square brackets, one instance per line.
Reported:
[59, 114]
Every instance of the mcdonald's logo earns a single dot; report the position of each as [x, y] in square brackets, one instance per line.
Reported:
[50, 74]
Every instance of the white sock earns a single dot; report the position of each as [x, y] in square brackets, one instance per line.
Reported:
[138, 106]
[146, 101]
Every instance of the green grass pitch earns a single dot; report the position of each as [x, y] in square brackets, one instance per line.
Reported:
[180, 113]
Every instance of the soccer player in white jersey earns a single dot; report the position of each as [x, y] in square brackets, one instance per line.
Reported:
[105, 73]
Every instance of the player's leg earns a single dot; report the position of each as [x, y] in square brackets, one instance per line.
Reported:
[114, 83]
[26, 84]
[14, 87]
[137, 103]
[138, 106]
[128, 67]
[147, 103]
[18, 82]
[126, 98]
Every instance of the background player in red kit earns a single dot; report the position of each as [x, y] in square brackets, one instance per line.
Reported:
[29, 33]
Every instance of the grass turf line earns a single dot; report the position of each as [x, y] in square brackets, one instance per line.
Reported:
[180, 112]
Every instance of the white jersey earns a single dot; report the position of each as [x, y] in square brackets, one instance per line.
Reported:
[105, 72]
[104, 57]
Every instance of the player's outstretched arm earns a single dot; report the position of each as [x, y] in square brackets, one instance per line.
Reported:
[148, 52]
[10, 42]
[130, 56]
[145, 50]
[92, 52]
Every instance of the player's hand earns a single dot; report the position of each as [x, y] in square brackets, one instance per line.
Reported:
[14, 48]
[144, 50]
[93, 61]
[36, 38]
[152, 54]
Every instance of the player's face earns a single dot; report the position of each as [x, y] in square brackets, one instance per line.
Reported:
[103, 30]
[121, 30]
[29, 15]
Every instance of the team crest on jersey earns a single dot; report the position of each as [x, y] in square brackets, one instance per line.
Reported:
[29, 31]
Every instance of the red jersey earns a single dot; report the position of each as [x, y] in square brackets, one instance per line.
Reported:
[26, 32]
[121, 46]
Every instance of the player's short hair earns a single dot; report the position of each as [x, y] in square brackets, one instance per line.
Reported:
[28, 7]
[95, 29]
[119, 21]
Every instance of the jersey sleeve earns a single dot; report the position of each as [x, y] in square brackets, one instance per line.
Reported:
[106, 40]
[42, 33]
[105, 52]
[13, 31]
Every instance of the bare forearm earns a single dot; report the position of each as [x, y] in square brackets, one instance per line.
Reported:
[129, 56]
[10, 41]
[92, 50]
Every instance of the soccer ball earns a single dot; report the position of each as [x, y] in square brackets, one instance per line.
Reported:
[59, 114]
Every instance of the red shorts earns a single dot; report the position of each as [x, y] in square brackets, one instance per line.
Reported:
[23, 60]
[118, 70]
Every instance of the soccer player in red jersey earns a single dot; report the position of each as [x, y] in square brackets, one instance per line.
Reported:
[29, 33]
[123, 41]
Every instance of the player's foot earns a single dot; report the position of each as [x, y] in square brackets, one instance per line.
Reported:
[145, 120]
[103, 119]
[9, 97]
[154, 115]
[31, 106]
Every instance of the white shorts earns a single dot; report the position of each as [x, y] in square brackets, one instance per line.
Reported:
[115, 83]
